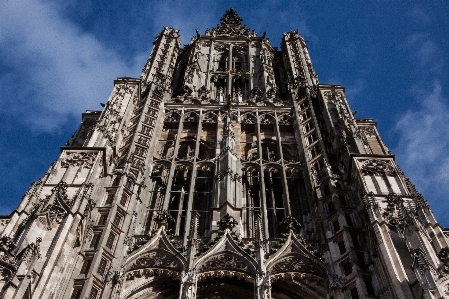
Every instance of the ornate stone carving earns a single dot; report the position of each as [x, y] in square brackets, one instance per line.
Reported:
[6, 245]
[116, 277]
[54, 207]
[50, 214]
[191, 117]
[228, 172]
[377, 167]
[271, 168]
[367, 130]
[228, 130]
[418, 198]
[285, 119]
[336, 281]
[157, 259]
[167, 150]
[248, 118]
[256, 93]
[420, 262]
[210, 117]
[152, 272]
[292, 264]
[395, 215]
[359, 133]
[270, 152]
[111, 116]
[172, 117]
[164, 219]
[84, 231]
[6, 272]
[82, 159]
[267, 119]
[31, 252]
[443, 255]
[225, 261]
[290, 224]
[206, 167]
[227, 222]
[7, 258]
[231, 24]
[203, 93]
[369, 200]
[252, 154]
[135, 242]
[184, 167]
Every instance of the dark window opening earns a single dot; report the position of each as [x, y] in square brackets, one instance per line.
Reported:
[102, 266]
[202, 198]
[275, 202]
[354, 293]
[341, 247]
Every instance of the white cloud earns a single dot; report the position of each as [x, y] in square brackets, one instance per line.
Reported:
[423, 131]
[420, 15]
[424, 53]
[422, 147]
[51, 69]
[355, 89]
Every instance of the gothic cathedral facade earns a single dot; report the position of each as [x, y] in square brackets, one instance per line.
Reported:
[225, 171]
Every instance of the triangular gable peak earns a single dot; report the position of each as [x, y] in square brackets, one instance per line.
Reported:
[226, 258]
[159, 254]
[231, 25]
[294, 257]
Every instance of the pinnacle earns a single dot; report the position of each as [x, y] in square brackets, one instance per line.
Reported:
[231, 16]
[231, 25]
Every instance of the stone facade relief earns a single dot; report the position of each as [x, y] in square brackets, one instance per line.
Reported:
[377, 167]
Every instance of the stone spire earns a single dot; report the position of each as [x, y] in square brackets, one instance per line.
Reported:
[231, 24]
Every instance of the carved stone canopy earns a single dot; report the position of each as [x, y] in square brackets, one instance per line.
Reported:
[295, 257]
[226, 254]
[157, 253]
[231, 25]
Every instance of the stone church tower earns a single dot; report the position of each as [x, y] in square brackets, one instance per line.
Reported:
[225, 171]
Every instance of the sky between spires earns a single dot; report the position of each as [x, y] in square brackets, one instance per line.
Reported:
[59, 58]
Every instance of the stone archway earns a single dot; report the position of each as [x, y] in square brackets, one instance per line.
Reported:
[297, 288]
[224, 288]
[154, 288]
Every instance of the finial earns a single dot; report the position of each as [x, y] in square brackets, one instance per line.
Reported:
[227, 222]
[231, 25]
[290, 224]
[164, 219]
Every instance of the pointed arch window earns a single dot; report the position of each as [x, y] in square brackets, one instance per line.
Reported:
[202, 196]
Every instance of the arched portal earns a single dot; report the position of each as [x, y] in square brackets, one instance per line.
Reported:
[154, 288]
[225, 288]
[296, 286]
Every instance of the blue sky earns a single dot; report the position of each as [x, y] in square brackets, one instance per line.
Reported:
[59, 58]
